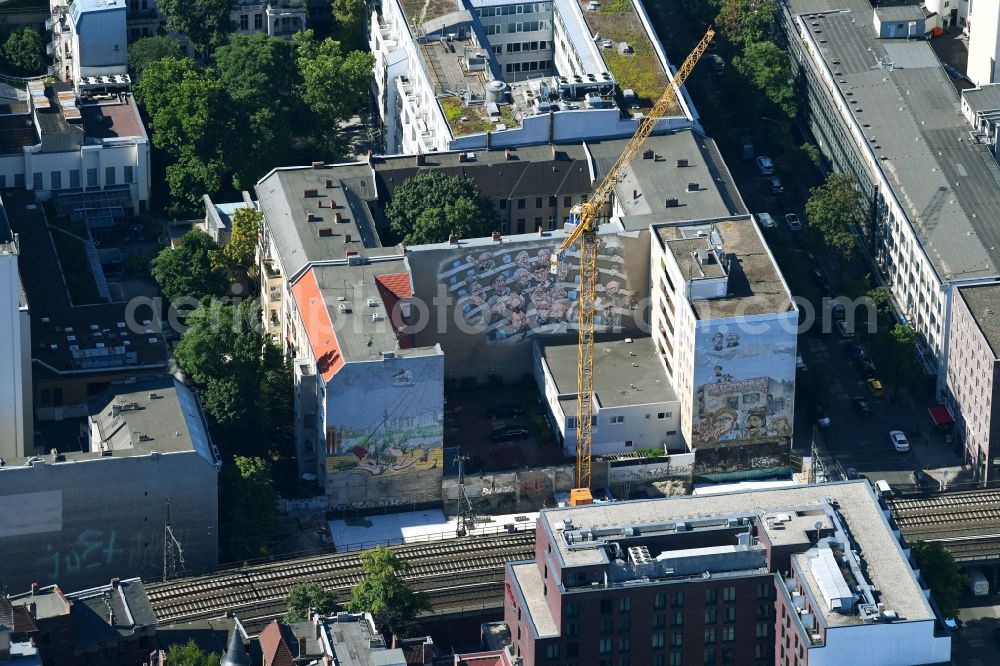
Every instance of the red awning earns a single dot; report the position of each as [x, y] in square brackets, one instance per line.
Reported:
[940, 415]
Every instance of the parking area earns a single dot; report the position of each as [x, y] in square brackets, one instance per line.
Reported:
[500, 428]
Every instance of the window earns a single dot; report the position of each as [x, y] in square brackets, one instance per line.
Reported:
[711, 595]
[258, 21]
[607, 625]
[625, 604]
[759, 651]
[728, 655]
[56, 179]
[664, 415]
[244, 22]
[605, 646]
[571, 423]
[553, 202]
[624, 644]
[710, 617]
[567, 202]
[660, 601]
[729, 594]
[676, 638]
[607, 606]
[109, 175]
[538, 223]
[74, 178]
[678, 619]
[762, 629]
[552, 650]
[36, 180]
[677, 601]
[520, 204]
[659, 621]
[764, 591]
[671, 432]
[552, 222]
[676, 659]
[573, 609]
[538, 202]
[614, 420]
[19, 180]
[728, 634]
[710, 635]
[129, 174]
[730, 614]
[656, 639]
[709, 655]
[520, 225]
[625, 623]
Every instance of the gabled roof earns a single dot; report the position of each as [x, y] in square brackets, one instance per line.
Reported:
[274, 647]
[318, 325]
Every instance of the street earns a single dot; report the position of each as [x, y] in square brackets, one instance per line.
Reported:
[974, 644]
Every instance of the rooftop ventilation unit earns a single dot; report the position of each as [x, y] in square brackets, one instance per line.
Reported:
[682, 162]
[639, 555]
[671, 203]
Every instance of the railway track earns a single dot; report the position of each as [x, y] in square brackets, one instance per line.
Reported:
[257, 593]
[952, 518]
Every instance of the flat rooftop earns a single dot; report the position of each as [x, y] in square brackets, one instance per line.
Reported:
[99, 332]
[755, 285]
[985, 98]
[887, 568]
[905, 104]
[984, 304]
[112, 119]
[626, 373]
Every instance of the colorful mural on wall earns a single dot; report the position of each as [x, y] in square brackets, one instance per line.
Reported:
[387, 445]
[744, 383]
[510, 293]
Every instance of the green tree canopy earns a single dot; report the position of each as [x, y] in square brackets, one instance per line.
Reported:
[383, 592]
[188, 115]
[304, 597]
[260, 75]
[187, 271]
[189, 654]
[333, 86]
[205, 22]
[249, 508]
[349, 15]
[143, 51]
[767, 66]
[941, 573]
[430, 206]
[745, 22]
[833, 210]
[895, 349]
[24, 52]
[241, 250]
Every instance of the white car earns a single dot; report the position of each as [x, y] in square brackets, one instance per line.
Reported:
[899, 441]
[792, 220]
[766, 221]
[765, 165]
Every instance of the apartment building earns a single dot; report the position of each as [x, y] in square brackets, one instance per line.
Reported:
[798, 575]
[489, 73]
[883, 109]
[724, 328]
[17, 437]
[972, 378]
[89, 39]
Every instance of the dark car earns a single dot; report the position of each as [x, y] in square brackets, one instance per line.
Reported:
[857, 351]
[852, 473]
[921, 480]
[862, 407]
[509, 434]
[504, 411]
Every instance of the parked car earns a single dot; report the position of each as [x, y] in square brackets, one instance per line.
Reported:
[922, 480]
[899, 441]
[857, 351]
[823, 420]
[842, 329]
[792, 220]
[504, 411]
[800, 364]
[838, 311]
[862, 407]
[765, 165]
[774, 184]
[852, 473]
[875, 387]
[509, 434]
[716, 62]
[766, 221]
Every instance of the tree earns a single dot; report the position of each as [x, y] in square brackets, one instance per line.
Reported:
[333, 86]
[187, 109]
[767, 66]
[895, 348]
[143, 51]
[814, 386]
[241, 250]
[205, 22]
[260, 75]
[249, 508]
[349, 15]
[745, 22]
[304, 597]
[941, 573]
[834, 209]
[430, 206]
[24, 52]
[383, 592]
[189, 654]
[187, 271]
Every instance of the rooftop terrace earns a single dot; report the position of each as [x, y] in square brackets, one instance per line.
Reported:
[907, 109]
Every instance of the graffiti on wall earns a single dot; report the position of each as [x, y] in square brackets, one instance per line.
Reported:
[744, 383]
[510, 294]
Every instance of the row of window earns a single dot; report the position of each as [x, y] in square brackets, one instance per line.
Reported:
[521, 204]
[519, 47]
[711, 656]
[56, 181]
[509, 10]
[532, 66]
[513, 28]
[258, 22]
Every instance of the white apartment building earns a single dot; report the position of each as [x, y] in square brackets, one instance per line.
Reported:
[896, 126]
[495, 73]
[634, 405]
[89, 39]
[983, 27]
[17, 435]
[724, 329]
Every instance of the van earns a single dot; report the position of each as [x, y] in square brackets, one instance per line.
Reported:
[978, 584]
[883, 489]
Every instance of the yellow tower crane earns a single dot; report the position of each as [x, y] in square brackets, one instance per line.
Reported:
[584, 217]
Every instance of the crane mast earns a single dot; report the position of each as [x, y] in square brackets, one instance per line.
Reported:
[584, 217]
